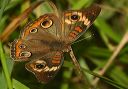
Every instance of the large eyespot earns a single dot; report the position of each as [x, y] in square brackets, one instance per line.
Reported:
[47, 23]
[25, 54]
[33, 30]
[40, 64]
[74, 17]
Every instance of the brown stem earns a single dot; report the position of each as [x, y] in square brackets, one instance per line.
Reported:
[17, 21]
[112, 58]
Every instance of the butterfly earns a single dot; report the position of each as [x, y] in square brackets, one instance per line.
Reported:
[43, 42]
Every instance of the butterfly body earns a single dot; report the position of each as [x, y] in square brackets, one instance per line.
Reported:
[43, 41]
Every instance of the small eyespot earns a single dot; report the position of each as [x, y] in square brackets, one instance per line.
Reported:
[74, 17]
[47, 23]
[25, 54]
[40, 66]
[33, 30]
[22, 46]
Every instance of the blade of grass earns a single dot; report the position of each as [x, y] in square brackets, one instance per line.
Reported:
[84, 65]
[109, 81]
[117, 85]
[106, 29]
[98, 52]
[5, 69]
[2, 55]
[112, 58]
[18, 85]
[66, 76]
[4, 4]
[3, 23]
[106, 40]
[3, 83]
[16, 22]
[81, 3]
[119, 76]
[12, 4]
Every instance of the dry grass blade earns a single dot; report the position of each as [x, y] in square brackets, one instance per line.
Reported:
[112, 58]
[16, 22]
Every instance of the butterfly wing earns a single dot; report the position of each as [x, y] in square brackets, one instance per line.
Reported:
[46, 67]
[22, 50]
[46, 25]
[77, 22]
[37, 39]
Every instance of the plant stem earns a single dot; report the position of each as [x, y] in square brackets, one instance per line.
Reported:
[5, 69]
[112, 58]
[16, 22]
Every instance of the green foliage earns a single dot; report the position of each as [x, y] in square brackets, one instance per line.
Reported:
[93, 54]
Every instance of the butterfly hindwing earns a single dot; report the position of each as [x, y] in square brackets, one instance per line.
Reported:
[46, 67]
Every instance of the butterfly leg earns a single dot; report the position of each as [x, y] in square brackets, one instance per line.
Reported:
[75, 62]
[78, 68]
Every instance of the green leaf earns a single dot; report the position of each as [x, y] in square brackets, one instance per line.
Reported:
[107, 30]
[113, 83]
[98, 52]
[3, 23]
[66, 76]
[5, 68]
[3, 83]
[12, 4]
[83, 64]
[19, 85]
[4, 3]
[81, 3]
[119, 76]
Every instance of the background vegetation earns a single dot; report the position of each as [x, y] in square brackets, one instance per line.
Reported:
[104, 50]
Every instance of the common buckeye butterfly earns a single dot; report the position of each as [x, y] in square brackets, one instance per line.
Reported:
[44, 41]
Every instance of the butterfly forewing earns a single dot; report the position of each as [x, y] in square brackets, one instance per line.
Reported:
[46, 25]
[37, 38]
[77, 22]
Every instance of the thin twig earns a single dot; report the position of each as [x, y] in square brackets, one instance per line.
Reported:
[112, 58]
[16, 22]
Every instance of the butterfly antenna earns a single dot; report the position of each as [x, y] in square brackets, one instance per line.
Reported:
[82, 39]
